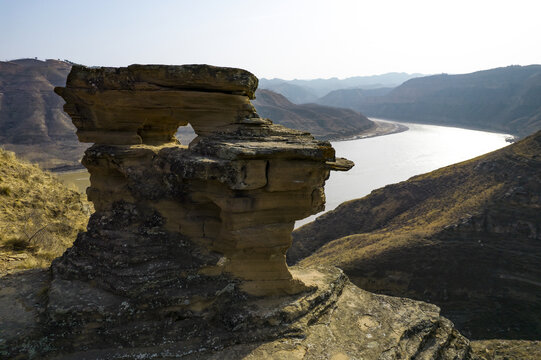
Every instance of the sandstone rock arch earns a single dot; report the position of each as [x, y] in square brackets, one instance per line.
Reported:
[235, 191]
[185, 254]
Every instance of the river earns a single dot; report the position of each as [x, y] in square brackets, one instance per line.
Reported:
[387, 159]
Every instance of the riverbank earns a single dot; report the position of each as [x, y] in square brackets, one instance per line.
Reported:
[380, 128]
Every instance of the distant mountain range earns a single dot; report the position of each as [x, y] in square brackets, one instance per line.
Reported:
[504, 99]
[323, 122]
[306, 91]
[466, 237]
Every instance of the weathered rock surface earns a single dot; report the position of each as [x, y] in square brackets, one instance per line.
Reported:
[185, 255]
[335, 320]
[237, 190]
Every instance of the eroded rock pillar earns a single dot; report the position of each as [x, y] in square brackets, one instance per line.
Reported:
[221, 209]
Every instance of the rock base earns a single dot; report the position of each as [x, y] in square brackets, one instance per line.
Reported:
[58, 319]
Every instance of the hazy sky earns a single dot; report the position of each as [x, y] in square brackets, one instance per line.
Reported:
[278, 38]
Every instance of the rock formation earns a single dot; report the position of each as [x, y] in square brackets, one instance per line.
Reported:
[185, 254]
[34, 126]
[236, 190]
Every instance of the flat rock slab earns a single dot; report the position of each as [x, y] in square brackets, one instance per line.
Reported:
[336, 320]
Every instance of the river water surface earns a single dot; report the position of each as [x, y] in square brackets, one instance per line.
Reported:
[388, 159]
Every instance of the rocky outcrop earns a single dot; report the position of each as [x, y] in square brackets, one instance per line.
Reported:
[34, 126]
[236, 190]
[335, 320]
[185, 255]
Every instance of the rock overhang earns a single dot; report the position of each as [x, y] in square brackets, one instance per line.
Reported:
[237, 189]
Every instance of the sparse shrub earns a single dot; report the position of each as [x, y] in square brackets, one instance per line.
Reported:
[5, 190]
[17, 244]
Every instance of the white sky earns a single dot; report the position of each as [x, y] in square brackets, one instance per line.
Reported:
[278, 38]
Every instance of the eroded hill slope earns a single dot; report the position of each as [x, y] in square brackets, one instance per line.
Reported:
[466, 237]
[32, 122]
[502, 99]
[324, 122]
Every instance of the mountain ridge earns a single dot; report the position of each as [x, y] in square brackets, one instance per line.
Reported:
[304, 91]
[501, 99]
[324, 122]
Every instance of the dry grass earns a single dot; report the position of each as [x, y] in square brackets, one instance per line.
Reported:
[507, 350]
[403, 214]
[39, 217]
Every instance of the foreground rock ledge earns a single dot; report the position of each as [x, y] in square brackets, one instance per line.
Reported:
[185, 255]
[336, 320]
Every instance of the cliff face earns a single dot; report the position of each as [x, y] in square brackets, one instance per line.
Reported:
[185, 255]
[32, 122]
[465, 237]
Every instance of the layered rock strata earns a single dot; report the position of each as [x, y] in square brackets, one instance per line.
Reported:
[225, 204]
[185, 254]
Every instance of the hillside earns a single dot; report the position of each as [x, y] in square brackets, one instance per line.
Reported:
[502, 99]
[32, 122]
[465, 237]
[323, 122]
[349, 98]
[39, 217]
[294, 93]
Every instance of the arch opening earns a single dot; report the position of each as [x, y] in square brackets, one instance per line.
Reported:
[185, 134]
